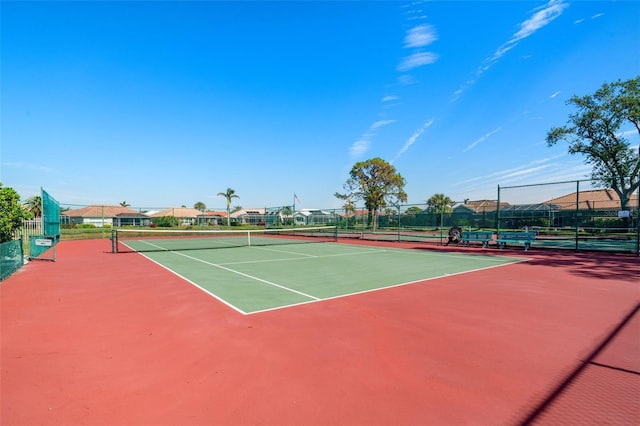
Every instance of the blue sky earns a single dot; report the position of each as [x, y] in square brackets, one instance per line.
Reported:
[163, 104]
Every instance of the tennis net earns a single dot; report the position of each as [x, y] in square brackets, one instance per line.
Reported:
[145, 240]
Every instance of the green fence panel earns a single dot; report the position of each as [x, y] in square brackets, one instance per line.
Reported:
[11, 258]
[42, 247]
[50, 215]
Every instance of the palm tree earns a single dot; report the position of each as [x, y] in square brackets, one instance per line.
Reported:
[287, 215]
[350, 212]
[34, 205]
[125, 204]
[440, 204]
[230, 194]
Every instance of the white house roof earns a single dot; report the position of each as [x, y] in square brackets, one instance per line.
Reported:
[183, 212]
[247, 211]
[99, 211]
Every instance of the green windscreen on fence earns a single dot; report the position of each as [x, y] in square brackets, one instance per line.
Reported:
[39, 244]
[11, 258]
[50, 215]
[571, 215]
[43, 247]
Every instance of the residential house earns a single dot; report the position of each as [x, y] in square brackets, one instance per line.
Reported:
[101, 215]
[479, 213]
[597, 204]
[249, 216]
[211, 218]
[314, 217]
[185, 215]
[596, 199]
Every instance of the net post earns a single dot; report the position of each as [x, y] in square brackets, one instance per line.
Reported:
[399, 228]
[113, 240]
[441, 224]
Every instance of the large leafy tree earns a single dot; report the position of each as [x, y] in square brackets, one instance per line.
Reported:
[375, 182]
[12, 214]
[594, 130]
[200, 206]
[229, 195]
[439, 204]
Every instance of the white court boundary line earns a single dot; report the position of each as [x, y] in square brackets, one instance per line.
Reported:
[385, 287]
[218, 298]
[315, 299]
[248, 276]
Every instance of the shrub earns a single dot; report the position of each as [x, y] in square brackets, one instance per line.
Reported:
[166, 221]
[11, 213]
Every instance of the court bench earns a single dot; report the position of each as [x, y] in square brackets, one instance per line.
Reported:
[516, 237]
[483, 237]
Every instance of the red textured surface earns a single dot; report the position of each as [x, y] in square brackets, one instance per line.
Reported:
[103, 339]
[624, 350]
[605, 388]
[599, 396]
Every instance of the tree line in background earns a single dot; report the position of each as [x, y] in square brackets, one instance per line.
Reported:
[594, 131]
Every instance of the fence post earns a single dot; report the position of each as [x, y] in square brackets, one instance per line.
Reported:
[638, 222]
[498, 214]
[577, 212]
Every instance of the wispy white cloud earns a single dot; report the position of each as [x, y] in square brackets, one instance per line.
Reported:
[413, 138]
[547, 159]
[361, 146]
[528, 171]
[537, 171]
[581, 20]
[417, 60]
[420, 36]
[28, 166]
[482, 139]
[414, 10]
[390, 101]
[541, 17]
[405, 80]
[381, 123]
[523, 169]
[416, 37]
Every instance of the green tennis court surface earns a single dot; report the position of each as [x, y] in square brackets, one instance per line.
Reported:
[258, 278]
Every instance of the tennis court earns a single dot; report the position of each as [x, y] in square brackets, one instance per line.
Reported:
[389, 333]
[258, 271]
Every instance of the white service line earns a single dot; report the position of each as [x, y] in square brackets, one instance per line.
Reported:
[248, 276]
[289, 259]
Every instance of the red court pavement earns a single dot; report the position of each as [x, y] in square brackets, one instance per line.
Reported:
[102, 339]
